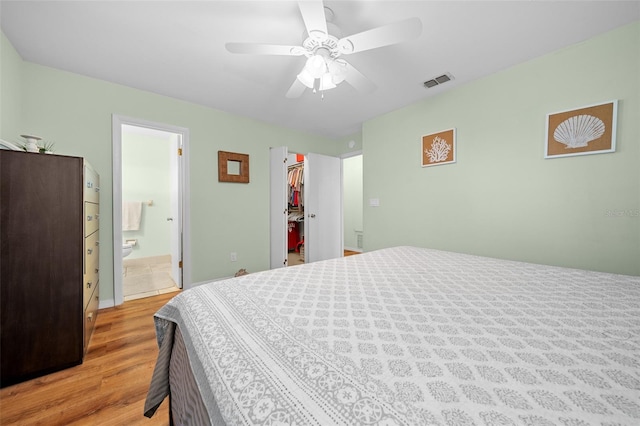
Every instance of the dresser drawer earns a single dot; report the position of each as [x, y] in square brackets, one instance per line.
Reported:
[90, 315]
[90, 283]
[91, 218]
[91, 252]
[91, 184]
[91, 265]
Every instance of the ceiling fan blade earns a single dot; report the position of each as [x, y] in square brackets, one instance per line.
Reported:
[359, 82]
[397, 32]
[296, 89]
[264, 49]
[314, 19]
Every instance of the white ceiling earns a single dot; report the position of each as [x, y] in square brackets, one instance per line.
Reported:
[177, 49]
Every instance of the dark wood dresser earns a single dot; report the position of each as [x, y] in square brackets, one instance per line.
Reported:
[49, 216]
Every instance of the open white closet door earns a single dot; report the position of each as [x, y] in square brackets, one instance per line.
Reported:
[278, 206]
[323, 207]
[323, 235]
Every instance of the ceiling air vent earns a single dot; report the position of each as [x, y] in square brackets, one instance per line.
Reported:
[437, 81]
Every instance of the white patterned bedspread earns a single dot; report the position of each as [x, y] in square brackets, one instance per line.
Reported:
[416, 336]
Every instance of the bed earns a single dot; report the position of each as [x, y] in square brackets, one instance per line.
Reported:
[403, 336]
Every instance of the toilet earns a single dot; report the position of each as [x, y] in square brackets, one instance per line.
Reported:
[126, 250]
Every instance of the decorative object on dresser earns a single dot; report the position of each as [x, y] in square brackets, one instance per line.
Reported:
[49, 220]
[32, 143]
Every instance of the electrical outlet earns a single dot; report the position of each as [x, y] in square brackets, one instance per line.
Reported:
[234, 256]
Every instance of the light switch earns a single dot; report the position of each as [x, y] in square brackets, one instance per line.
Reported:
[374, 202]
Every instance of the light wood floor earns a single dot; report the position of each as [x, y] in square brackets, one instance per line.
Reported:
[109, 388]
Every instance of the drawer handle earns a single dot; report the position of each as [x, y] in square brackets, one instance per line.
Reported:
[89, 218]
[89, 184]
[97, 189]
[97, 243]
[89, 251]
[97, 270]
[90, 317]
[89, 284]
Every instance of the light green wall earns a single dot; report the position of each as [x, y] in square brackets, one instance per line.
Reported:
[75, 112]
[343, 147]
[10, 93]
[146, 176]
[502, 198]
[352, 200]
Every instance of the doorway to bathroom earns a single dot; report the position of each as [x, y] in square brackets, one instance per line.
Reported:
[148, 210]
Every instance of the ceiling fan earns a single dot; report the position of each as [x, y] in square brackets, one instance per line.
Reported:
[325, 67]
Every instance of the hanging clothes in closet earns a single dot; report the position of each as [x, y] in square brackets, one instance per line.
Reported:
[295, 180]
[296, 185]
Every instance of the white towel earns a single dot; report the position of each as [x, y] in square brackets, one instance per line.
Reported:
[131, 214]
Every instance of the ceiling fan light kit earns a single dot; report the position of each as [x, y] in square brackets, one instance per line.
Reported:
[326, 82]
[324, 69]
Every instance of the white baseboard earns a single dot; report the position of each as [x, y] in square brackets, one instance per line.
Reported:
[109, 303]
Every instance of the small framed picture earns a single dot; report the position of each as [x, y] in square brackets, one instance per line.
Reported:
[439, 148]
[581, 131]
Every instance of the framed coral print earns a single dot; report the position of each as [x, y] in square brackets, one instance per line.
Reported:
[439, 148]
[587, 130]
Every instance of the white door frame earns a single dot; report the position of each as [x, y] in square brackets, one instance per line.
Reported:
[177, 212]
[117, 122]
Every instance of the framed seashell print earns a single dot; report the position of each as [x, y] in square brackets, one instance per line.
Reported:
[587, 130]
[439, 148]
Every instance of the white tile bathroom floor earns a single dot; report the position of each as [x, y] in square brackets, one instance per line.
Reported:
[147, 276]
